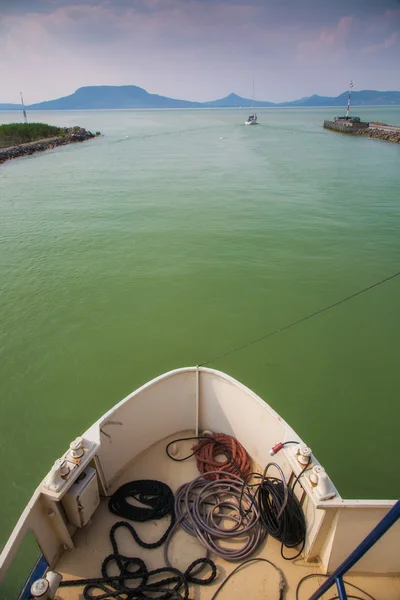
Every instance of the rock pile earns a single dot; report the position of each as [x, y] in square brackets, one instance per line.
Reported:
[70, 136]
[382, 134]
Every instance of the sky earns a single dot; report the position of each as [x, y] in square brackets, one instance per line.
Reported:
[198, 49]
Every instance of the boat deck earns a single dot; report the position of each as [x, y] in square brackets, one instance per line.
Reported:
[257, 580]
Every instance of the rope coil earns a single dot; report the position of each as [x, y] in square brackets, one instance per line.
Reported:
[209, 447]
[237, 460]
[281, 512]
[132, 569]
[156, 495]
[212, 512]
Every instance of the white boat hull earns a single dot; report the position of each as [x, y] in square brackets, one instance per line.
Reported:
[199, 399]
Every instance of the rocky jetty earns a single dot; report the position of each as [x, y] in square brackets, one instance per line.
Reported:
[354, 126]
[69, 135]
[390, 134]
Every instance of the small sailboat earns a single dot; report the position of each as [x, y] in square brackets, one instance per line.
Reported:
[252, 119]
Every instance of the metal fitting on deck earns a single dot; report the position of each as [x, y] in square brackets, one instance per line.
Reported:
[46, 587]
[304, 455]
[77, 448]
[322, 485]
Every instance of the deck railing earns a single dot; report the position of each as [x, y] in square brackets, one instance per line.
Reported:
[371, 539]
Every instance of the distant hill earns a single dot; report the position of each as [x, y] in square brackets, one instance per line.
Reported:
[104, 96]
[362, 98]
[132, 96]
[235, 101]
[9, 106]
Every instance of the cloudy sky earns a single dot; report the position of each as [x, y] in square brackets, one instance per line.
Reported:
[198, 49]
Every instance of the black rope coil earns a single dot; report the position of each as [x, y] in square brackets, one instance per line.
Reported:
[133, 569]
[281, 512]
[155, 495]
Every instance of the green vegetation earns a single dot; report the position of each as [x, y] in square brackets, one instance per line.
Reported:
[13, 134]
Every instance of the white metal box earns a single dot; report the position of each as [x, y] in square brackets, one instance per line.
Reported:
[82, 498]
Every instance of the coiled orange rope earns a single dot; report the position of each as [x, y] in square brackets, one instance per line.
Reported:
[237, 460]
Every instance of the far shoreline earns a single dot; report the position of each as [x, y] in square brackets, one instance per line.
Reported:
[202, 108]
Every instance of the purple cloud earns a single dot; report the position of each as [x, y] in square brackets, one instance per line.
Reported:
[198, 49]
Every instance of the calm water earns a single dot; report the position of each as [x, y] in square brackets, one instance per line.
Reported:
[179, 235]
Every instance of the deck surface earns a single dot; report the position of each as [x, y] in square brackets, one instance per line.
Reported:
[256, 581]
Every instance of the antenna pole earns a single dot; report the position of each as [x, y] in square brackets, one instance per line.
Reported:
[23, 109]
[348, 100]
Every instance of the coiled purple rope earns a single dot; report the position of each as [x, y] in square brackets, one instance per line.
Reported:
[214, 511]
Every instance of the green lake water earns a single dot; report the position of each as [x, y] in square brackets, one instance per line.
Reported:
[180, 235]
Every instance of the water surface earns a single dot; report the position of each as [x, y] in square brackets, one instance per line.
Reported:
[179, 235]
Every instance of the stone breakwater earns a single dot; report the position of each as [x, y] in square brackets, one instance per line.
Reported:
[71, 136]
[382, 133]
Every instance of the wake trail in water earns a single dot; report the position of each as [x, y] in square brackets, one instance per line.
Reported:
[164, 133]
[296, 130]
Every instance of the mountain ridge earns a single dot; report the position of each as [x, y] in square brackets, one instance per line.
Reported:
[132, 96]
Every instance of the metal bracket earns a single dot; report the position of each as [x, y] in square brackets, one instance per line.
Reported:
[109, 423]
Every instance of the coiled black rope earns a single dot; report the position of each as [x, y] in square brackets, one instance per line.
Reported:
[156, 495]
[132, 569]
[281, 512]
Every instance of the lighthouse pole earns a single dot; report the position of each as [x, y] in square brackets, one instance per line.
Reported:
[348, 100]
[23, 109]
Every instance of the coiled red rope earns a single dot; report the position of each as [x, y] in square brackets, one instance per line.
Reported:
[237, 460]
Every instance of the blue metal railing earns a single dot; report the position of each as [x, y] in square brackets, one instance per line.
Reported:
[371, 539]
[37, 572]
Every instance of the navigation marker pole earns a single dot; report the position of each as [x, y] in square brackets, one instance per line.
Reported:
[348, 100]
[23, 109]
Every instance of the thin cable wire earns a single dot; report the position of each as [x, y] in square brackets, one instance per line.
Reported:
[317, 312]
[301, 473]
[282, 580]
[313, 575]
